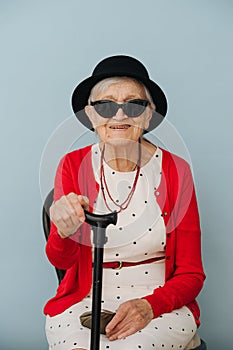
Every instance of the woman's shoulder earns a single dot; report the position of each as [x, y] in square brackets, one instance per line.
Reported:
[172, 159]
[78, 153]
[76, 157]
[175, 168]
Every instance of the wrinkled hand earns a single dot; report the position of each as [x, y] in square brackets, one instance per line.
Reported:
[67, 213]
[131, 316]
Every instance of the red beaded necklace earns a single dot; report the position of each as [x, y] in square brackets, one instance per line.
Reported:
[103, 182]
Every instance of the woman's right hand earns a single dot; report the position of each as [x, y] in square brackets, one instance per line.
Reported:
[67, 213]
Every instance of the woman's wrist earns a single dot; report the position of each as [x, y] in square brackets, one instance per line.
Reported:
[65, 235]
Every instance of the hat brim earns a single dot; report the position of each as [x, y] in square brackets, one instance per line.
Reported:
[82, 92]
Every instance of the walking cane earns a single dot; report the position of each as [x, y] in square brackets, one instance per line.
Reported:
[99, 224]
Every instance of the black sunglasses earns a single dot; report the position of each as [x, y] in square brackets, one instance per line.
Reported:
[108, 109]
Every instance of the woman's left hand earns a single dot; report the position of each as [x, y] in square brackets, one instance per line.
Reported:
[131, 316]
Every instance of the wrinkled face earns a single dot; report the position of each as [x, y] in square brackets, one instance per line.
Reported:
[120, 126]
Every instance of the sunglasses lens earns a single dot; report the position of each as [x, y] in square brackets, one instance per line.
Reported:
[133, 109]
[108, 109]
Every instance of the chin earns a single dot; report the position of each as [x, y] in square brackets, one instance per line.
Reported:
[121, 140]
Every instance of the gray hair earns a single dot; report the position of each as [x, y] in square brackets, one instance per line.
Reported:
[105, 83]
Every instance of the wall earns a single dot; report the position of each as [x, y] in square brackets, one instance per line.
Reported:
[47, 47]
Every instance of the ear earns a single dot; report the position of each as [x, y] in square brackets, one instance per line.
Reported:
[90, 112]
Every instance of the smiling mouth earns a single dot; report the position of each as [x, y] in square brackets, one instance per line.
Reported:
[120, 127]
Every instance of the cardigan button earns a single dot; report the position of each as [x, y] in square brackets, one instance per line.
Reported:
[168, 257]
[164, 214]
[168, 235]
[157, 193]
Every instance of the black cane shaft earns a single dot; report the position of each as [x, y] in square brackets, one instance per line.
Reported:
[96, 298]
[99, 224]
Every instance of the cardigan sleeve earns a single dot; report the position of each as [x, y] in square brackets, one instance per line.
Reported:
[62, 253]
[183, 248]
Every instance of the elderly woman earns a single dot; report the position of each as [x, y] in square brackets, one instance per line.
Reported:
[152, 270]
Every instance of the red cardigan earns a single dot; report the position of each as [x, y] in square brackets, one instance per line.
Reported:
[175, 195]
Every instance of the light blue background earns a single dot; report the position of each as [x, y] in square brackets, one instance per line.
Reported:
[49, 46]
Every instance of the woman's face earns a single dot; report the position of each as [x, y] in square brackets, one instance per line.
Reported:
[120, 126]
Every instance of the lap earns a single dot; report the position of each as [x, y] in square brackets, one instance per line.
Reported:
[172, 330]
[169, 331]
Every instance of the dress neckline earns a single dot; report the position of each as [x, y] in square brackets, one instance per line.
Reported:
[147, 164]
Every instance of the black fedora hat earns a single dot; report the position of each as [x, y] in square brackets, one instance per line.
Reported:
[118, 66]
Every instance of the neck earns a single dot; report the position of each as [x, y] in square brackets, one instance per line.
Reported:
[121, 155]
[122, 165]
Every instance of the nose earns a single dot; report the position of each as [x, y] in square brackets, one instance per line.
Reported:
[120, 115]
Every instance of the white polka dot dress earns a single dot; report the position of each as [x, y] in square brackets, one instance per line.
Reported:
[139, 235]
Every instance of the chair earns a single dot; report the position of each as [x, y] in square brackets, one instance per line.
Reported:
[46, 226]
[202, 346]
[61, 273]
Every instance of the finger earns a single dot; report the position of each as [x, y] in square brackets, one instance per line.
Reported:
[75, 204]
[84, 201]
[74, 213]
[124, 331]
[127, 327]
[65, 218]
[125, 322]
[65, 224]
[79, 202]
[75, 221]
[138, 315]
[120, 315]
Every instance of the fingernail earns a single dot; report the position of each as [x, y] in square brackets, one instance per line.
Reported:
[120, 337]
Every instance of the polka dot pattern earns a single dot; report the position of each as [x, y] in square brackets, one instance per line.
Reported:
[168, 331]
[135, 218]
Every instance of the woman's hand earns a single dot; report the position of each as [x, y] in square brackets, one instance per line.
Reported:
[131, 316]
[67, 213]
